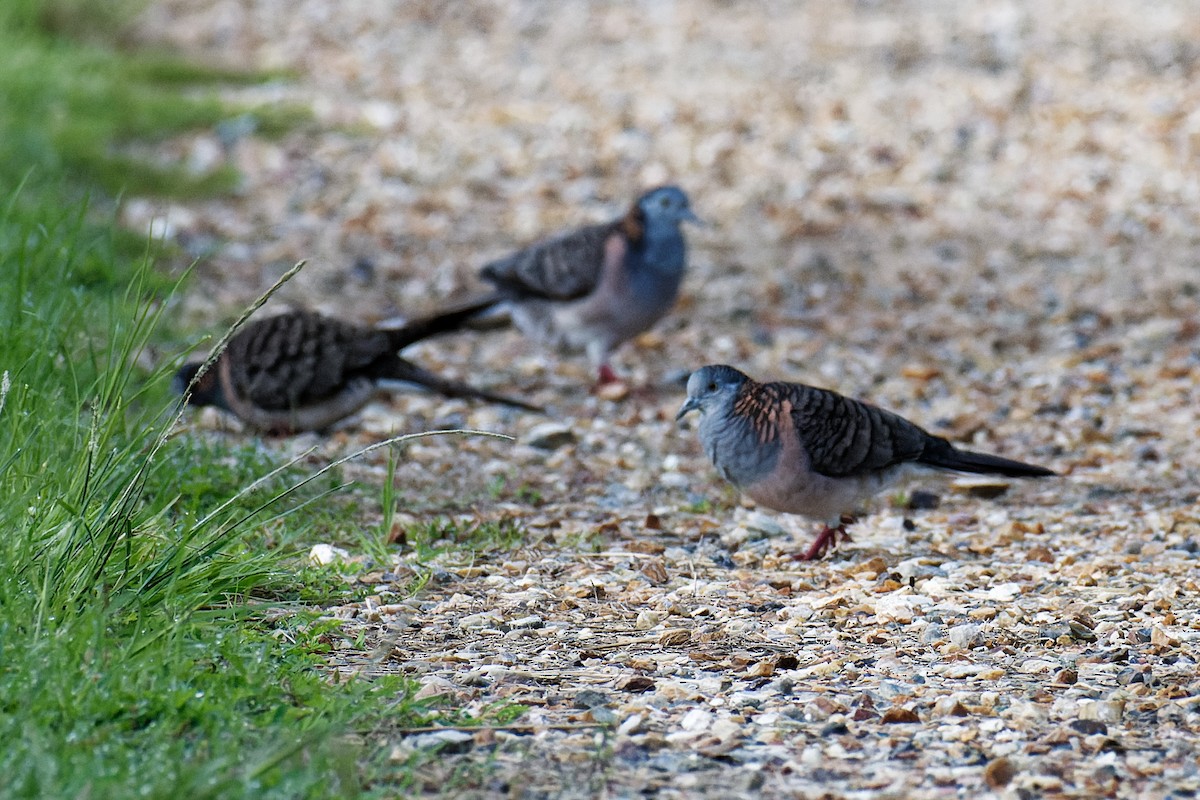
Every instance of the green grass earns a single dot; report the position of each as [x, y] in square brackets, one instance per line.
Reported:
[441, 534]
[499, 489]
[80, 20]
[130, 660]
[75, 109]
[156, 638]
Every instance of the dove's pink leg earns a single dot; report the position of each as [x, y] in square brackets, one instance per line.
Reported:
[824, 539]
[607, 375]
[827, 536]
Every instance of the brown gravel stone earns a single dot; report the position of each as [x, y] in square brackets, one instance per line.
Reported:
[999, 773]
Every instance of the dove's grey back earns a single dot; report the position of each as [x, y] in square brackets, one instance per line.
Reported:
[565, 267]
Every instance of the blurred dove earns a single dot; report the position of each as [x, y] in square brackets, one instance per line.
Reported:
[303, 371]
[804, 450]
[595, 287]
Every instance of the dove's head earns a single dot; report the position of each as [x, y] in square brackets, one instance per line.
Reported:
[666, 204]
[204, 392]
[711, 387]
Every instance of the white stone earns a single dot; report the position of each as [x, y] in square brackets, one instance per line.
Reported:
[324, 554]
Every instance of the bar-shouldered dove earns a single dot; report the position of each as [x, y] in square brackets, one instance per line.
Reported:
[302, 371]
[593, 288]
[803, 450]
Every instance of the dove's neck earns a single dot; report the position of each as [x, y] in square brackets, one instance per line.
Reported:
[661, 250]
[654, 269]
[741, 454]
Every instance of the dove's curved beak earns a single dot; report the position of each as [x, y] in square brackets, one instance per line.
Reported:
[690, 216]
[689, 405]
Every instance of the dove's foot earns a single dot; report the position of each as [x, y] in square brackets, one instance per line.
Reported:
[607, 375]
[826, 539]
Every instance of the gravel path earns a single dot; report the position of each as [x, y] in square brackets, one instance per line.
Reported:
[982, 215]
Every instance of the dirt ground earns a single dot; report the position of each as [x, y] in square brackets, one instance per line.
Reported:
[982, 215]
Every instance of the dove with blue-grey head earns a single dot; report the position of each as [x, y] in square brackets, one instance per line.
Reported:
[593, 288]
[804, 450]
[301, 371]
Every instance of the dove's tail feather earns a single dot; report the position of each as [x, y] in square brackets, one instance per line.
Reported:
[401, 369]
[447, 320]
[951, 458]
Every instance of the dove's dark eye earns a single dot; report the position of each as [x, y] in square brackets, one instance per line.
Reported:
[712, 386]
[665, 202]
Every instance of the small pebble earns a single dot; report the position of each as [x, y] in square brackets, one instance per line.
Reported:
[549, 436]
